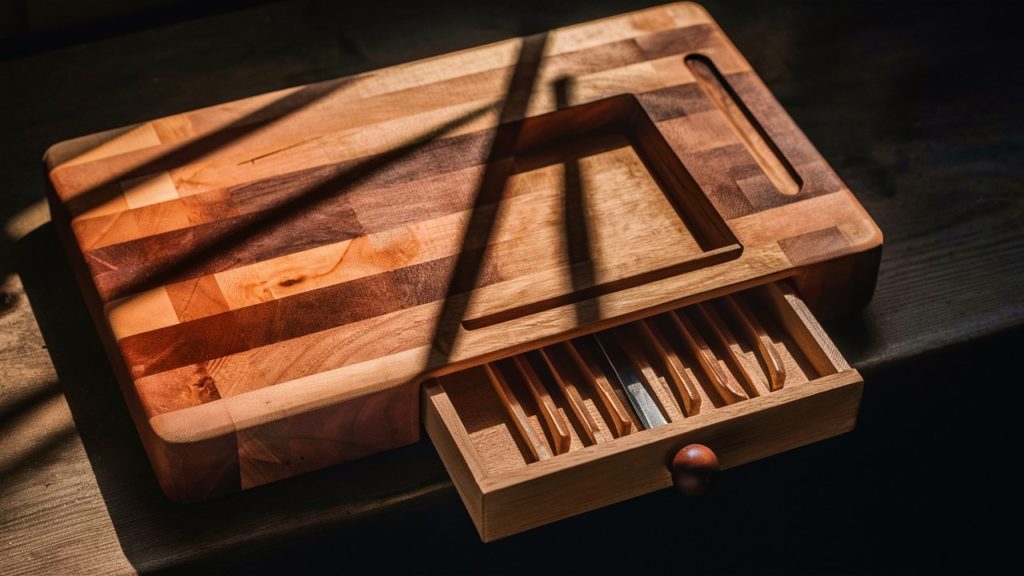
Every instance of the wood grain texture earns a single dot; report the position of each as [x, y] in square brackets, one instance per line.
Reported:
[909, 144]
[424, 200]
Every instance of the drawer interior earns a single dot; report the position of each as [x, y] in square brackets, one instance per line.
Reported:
[738, 373]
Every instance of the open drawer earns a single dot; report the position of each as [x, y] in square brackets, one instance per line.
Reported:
[551, 433]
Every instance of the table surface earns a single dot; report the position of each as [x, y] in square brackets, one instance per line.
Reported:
[916, 107]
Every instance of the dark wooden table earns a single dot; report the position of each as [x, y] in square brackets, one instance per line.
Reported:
[918, 107]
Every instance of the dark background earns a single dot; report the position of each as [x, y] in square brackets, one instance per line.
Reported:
[916, 105]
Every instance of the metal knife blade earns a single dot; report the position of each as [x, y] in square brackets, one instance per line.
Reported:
[644, 406]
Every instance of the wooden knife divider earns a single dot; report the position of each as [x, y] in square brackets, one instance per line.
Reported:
[510, 428]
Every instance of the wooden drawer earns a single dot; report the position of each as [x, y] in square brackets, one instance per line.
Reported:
[517, 473]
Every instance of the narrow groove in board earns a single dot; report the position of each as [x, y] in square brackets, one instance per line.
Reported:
[758, 143]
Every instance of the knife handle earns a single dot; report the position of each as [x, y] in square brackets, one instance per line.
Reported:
[729, 392]
[672, 366]
[742, 366]
[763, 343]
[620, 420]
[556, 426]
[538, 450]
[572, 395]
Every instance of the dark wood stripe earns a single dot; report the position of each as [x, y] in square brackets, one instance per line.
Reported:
[815, 246]
[674, 102]
[135, 266]
[677, 42]
[235, 374]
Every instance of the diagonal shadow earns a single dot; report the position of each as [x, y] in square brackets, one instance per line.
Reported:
[577, 237]
[499, 167]
[193, 150]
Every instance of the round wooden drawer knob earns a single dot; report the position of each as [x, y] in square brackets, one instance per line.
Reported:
[694, 468]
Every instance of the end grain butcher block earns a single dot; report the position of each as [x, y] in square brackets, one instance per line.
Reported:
[292, 280]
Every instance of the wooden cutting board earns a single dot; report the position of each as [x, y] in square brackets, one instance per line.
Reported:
[274, 277]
